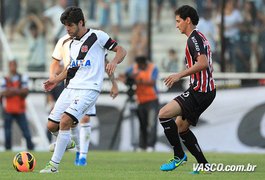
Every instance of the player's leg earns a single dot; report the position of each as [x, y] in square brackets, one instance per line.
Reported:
[197, 105]
[54, 118]
[85, 134]
[62, 140]
[190, 141]
[72, 114]
[167, 119]
[75, 133]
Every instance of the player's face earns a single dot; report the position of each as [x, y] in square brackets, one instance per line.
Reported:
[180, 24]
[72, 29]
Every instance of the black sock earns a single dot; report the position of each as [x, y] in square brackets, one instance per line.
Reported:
[192, 145]
[171, 132]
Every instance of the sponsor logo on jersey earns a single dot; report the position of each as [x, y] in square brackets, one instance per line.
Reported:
[80, 63]
[195, 43]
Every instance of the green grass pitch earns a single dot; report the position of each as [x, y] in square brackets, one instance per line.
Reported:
[130, 165]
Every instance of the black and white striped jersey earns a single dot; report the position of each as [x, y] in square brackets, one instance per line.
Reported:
[87, 60]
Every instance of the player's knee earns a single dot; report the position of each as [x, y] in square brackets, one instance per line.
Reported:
[182, 125]
[66, 122]
[163, 113]
[85, 119]
[52, 126]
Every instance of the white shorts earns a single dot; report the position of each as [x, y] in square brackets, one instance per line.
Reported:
[76, 103]
[92, 111]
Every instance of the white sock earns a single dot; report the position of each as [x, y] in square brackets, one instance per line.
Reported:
[75, 137]
[62, 140]
[85, 131]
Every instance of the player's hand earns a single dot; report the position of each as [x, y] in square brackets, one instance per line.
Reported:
[114, 91]
[170, 80]
[110, 68]
[49, 85]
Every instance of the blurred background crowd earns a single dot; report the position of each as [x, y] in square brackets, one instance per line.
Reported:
[32, 27]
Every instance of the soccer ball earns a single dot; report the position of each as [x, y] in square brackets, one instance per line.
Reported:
[24, 162]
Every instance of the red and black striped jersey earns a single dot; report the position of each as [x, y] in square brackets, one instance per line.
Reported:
[197, 44]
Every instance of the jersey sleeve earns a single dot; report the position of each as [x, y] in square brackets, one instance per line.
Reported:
[106, 41]
[57, 52]
[196, 46]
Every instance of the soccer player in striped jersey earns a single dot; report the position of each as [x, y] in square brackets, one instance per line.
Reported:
[84, 78]
[80, 136]
[185, 109]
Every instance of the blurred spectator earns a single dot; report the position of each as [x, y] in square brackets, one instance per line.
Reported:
[92, 7]
[110, 14]
[199, 6]
[34, 8]
[145, 74]
[14, 90]
[202, 5]
[259, 51]
[232, 20]
[159, 4]
[138, 10]
[52, 19]
[170, 64]
[138, 46]
[244, 49]
[208, 28]
[12, 14]
[32, 28]
[72, 2]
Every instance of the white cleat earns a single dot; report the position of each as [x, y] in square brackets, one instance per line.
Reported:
[49, 169]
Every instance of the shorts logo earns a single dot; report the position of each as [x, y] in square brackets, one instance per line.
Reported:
[76, 100]
[186, 94]
[84, 48]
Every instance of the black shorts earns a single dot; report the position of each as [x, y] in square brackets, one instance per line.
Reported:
[193, 104]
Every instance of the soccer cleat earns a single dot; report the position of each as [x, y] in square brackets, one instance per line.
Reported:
[82, 162]
[49, 169]
[77, 158]
[173, 163]
[70, 145]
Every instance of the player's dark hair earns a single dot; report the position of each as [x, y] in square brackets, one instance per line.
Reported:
[72, 14]
[188, 11]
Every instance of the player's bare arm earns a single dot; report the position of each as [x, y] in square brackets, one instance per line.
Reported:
[201, 64]
[119, 56]
[52, 83]
[114, 91]
[55, 68]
